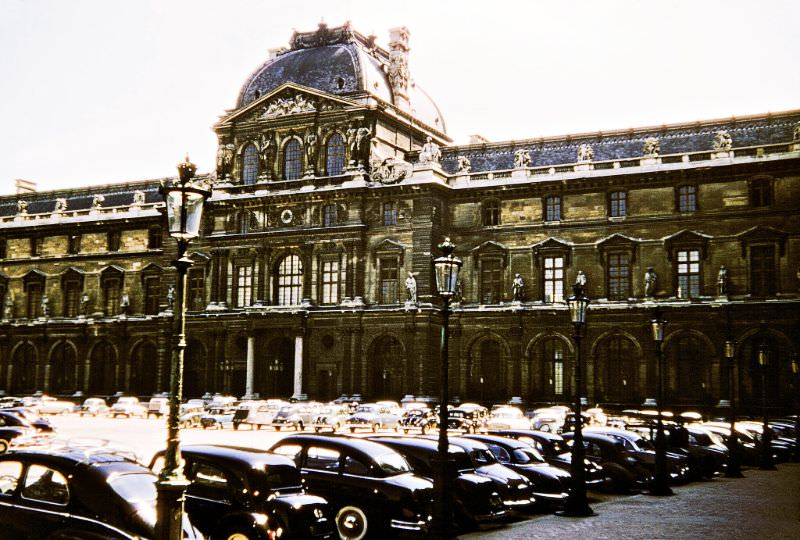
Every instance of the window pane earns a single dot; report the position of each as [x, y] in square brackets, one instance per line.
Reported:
[290, 281]
[390, 213]
[688, 273]
[687, 198]
[553, 279]
[553, 209]
[291, 160]
[389, 280]
[618, 276]
[334, 162]
[330, 282]
[491, 213]
[244, 285]
[762, 270]
[491, 281]
[249, 164]
[618, 204]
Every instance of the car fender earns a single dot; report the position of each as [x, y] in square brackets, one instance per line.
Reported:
[258, 523]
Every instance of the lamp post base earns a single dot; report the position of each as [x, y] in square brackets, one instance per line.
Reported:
[169, 524]
[576, 509]
[658, 490]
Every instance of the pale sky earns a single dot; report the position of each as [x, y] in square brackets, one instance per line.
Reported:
[104, 91]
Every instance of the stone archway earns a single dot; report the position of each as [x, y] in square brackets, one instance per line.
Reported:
[195, 370]
[487, 373]
[24, 370]
[103, 369]
[616, 364]
[274, 376]
[62, 362]
[143, 363]
[385, 363]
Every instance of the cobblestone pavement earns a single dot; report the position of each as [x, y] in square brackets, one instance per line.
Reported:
[764, 504]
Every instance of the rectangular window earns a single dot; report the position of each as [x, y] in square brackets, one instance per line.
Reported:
[72, 298]
[491, 213]
[3, 248]
[197, 290]
[760, 193]
[618, 204]
[111, 297]
[553, 279]
[390, 213]
[389, 277]
[329, 215]
[152, 295]
[36, 246]
[558, 372]
[34, 300]
[687, 199]
[244, 285]
[491, 281]
[330, 282]
[619, 280]
[689, 273]
[154, 238]
[762, 270]
[552, 209]
[113, 240]
[74, 244]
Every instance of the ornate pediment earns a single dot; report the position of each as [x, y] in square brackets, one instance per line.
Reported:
[389, 246]
[491, 248]
[763, 235]
[618, 242]
[552, 246]
[287, 100]
[684, 239]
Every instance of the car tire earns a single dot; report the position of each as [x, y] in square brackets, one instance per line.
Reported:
[351, 523]
[375, 428]
[235, 533]
[405, 430]
[352, 430]
[4, 444]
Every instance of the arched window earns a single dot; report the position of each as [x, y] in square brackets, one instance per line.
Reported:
[291, 160]
[552, 384]
[617, 365]
[24, 370]
[249, 164]
[334, 157]
[290, 281]
[102, 371]
[690, 369]
[62, 368]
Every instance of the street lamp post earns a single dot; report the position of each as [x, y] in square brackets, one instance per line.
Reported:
[446, 269]
[766, 436]
[577, 504]
[796, 375]
[184, 201]
[733, 470]
[660, 485]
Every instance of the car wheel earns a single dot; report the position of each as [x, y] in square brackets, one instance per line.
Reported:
[375, 428]
[233, 533]
[352, 430]
[277, 428]
[351, 522]
[405, 430]
[3, 446]
[236, 426]
[545, 428]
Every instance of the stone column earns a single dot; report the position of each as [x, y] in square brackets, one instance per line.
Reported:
[251, 357]
[298, 366]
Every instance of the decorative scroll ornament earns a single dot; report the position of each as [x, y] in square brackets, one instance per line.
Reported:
[322, 36]
[722, 141]
[585, 153]
[22, 207]
[521, 159]
[464, 165]
[390, 170]
[651, 147]
[285, 106]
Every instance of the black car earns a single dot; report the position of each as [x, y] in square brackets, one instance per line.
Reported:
[371, 487]
[249, 493]
[515, 489]
[41, 424]
[623, 472]
[419, 419]
[550, 484]
[75, 493]
[14, 430]
[476, 497]
[468, 417]
[555, 451]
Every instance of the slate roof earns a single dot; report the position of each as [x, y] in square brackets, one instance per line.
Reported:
[626, 144]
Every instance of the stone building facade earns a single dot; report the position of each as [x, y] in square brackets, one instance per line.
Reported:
[335, 182]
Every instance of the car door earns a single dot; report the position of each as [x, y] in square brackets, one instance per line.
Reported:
[41, 505]
[10, 478]
[210, 496]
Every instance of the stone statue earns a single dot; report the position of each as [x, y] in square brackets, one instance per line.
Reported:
[138, 198]
[225, 154]
[125, 303]
[585, 153]
[267, 153]
[522, 159]
[358, 142]
[85, 303]
[311, 148]
[22, 207]
[61, 205]
[579, 288]
[8, 306]
[398, 71]
[459, 296]
[722, 141]
[464, 165]
[722, 281]
[45, 306]
[518, 288]
[170, 297]
[650, 282]
[411, 288]
[430, 152]
[98, 201]
[651, 147]
[796, 132]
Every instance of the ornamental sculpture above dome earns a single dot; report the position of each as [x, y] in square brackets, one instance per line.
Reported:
[343, 62]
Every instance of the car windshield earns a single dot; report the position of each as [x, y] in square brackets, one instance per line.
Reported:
[283, 478]
[392, 464]
[482, 457]
[135, 488]
[507, 414]
[367, 409]
[462, 460]
[525, 456]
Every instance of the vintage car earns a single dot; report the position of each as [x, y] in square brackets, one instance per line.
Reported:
[41, 424]
[371, 487]
[93, 406]
[468, 417]
[515, 490]
[217, 417]
[550, 484]
[16, 432]
[476, 497]
[420, 419]
[330, 417]
[51, 405]
[623, 472]
[158, 407]
[295, 416]
[232, 490]
[75, 493]
[374, 416]
[507, 417]
[129, 407]
[556, 452]
[549, 419]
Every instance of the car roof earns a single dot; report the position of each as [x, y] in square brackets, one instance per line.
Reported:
[67, 456]
[233, 455]
[415, 442]
[361, 445]
[532, 433]
[468, 444]
[497, 439]
[596, 437]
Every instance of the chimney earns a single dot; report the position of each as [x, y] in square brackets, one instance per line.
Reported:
[398, 66]
[24, 186]
[478, 139]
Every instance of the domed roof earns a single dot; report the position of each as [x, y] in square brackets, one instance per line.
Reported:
[338, 61]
